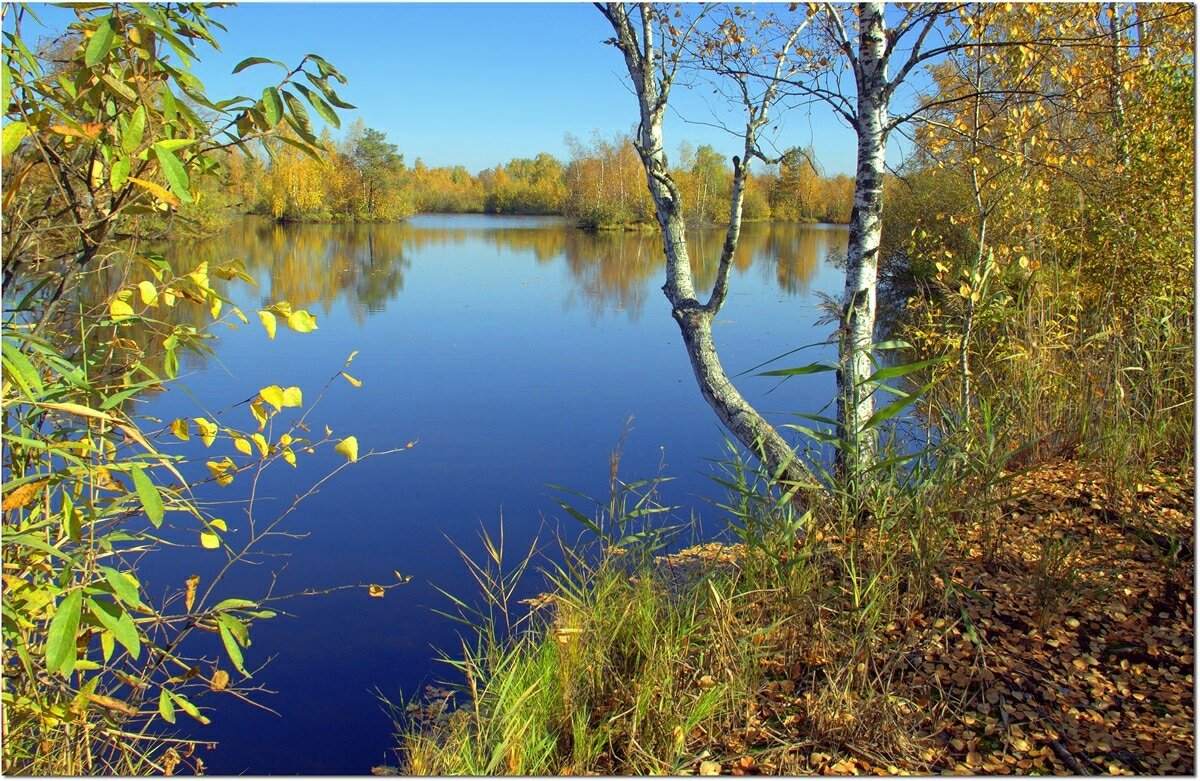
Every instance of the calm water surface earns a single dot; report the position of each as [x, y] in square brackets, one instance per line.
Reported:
[513, 349]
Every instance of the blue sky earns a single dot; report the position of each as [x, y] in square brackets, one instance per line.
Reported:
[477, 84]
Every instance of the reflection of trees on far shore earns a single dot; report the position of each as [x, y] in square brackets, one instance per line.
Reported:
[614, 271]
[312, 266]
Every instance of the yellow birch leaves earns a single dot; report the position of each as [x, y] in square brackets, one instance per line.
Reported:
[348, 447]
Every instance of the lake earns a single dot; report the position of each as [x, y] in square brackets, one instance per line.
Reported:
[512, 350]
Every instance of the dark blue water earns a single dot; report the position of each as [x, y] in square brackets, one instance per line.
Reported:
[513, 350]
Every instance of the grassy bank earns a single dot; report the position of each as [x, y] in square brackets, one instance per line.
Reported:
[1046, 628]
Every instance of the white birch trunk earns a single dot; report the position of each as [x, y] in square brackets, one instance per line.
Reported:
[856, 405]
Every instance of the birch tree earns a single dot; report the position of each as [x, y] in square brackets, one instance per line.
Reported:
[653, 48]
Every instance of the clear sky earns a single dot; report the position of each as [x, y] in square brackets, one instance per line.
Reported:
[477, 84]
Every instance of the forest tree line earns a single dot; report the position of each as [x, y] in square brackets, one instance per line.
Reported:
[363, 177]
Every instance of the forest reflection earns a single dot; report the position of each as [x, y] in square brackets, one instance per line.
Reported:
[364, 266]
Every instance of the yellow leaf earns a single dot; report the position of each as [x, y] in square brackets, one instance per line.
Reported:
[259, 413]
[292, 397]
[207, 430]
[168, 297]
[375, 591]
[273, 395]
[119, 310]
[210, 540]
[218, 523]
[1023, 261]
[965, 291]
[348, 447]
[301, 321]
[223, 471]
[149, 293]
[20, 497]
[242, 445]
[180, 429]
[268, 321]
[350, 360]
[289, 455]
[220, 680]
[189, 597]
[158, 191]
[215, 309]
[352, 381]
[200, 275]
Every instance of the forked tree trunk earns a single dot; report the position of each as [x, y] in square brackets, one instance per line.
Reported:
[651, 80]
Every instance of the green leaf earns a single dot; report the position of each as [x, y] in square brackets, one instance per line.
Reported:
[323, 85]
[60, 638]
[107, 646]
[174, 171]
[812, 368]
[188, 708]
[101, 42]
[325, 68]
[169, 107]
[10, 137]
[5, 86]
[272, 105]
[119, 88]
[307, 149]
[233, 604]
[118, 621]
[588, 523]
[249, 61]
[893, 409]
[18, 367]
[124, 586]
[136, 128]
[299, 114]
[900, 370]
[147, 491]
[171, 363]
[166, 708]
[119, 174]
[171, 144]
[324, 109]
[232, 649]
[236, 628]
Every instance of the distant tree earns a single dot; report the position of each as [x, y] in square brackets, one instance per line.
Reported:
[378, 163]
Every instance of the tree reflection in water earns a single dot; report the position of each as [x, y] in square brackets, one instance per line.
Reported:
[363, 267]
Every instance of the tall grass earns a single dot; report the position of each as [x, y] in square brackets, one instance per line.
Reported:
[642, 663]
